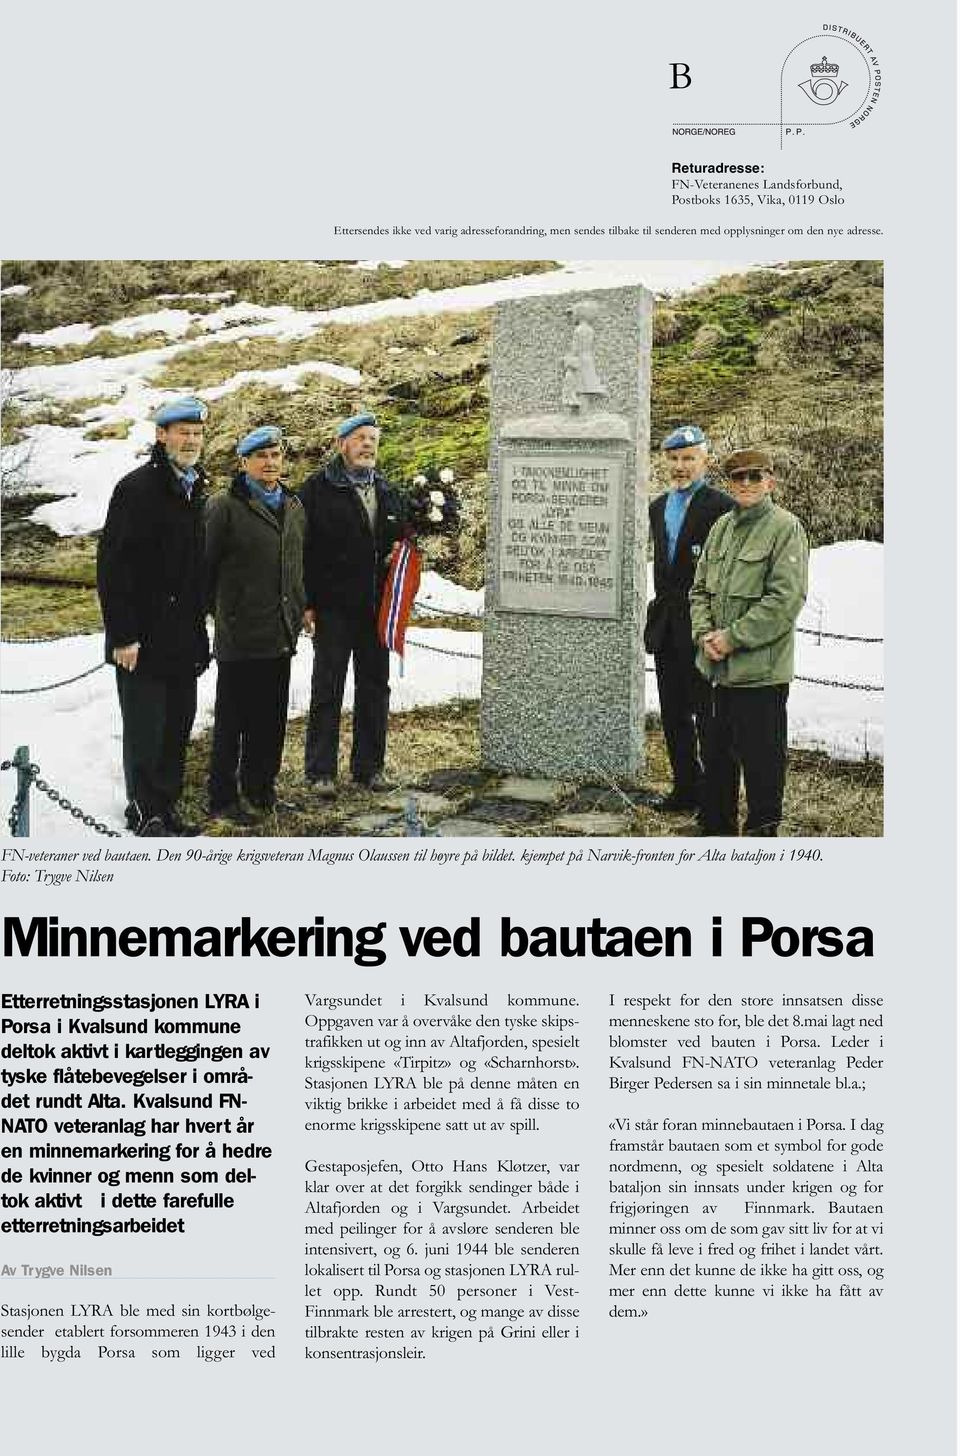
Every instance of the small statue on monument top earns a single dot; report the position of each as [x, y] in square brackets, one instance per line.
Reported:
[569, 395]
[583, 394]
[582, 379]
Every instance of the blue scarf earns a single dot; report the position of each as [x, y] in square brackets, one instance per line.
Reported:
[678, 501]
[187, 478]
[270, 498]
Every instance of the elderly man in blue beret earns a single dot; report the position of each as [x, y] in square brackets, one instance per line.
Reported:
[150, 576]
[354, 518]
[680, 521]
[255, 591]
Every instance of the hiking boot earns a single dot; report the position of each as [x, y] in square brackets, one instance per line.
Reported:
[674, 803]
[275, 806]
[377, 783]
[234, 813]
[180, 828]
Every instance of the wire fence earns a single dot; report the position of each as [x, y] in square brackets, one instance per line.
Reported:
[28, 774]
[428, 609]
[445, 651]
[835, 636]
[35, 641]
[424, 607]
[835, 682]
[28, 777]
[48, 687]
[825, 682]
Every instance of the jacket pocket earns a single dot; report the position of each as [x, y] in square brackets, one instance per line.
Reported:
[750, 666]
[748, 573]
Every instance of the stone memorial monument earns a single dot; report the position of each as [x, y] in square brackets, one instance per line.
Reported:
[563, 656]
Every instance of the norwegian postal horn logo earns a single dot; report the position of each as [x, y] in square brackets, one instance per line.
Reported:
[824, 84]
[828, 79]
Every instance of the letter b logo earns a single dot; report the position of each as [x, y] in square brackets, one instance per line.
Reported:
[681, 76]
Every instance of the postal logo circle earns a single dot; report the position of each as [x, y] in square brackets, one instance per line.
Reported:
[837, 72]
[824, 84]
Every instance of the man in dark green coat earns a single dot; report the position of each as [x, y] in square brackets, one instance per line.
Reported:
[749, 589]
[254, 549]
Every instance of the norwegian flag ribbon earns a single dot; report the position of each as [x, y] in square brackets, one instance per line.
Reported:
[399, 593]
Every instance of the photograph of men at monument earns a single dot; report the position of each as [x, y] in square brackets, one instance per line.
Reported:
[459, 548]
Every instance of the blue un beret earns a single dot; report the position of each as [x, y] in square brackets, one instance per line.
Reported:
[685, 435]
[354, 423]
[260, 439]
[189, 410]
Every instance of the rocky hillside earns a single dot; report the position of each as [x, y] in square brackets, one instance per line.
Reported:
[790, 357]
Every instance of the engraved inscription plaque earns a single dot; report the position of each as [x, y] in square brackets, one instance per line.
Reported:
[563, 660]
[560, 532]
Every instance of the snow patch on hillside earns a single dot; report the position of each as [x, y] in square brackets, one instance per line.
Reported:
[74, 732]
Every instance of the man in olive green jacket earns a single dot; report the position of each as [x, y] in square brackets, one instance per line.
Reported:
[254, 553]
[749, 589]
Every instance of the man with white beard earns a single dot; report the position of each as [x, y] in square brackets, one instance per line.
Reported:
[680, 521]
[150, 579]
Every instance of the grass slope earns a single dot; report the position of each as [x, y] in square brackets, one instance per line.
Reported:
[787, 357]
[98, 292]
[823, 798]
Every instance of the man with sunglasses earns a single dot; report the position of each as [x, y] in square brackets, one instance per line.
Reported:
[749, 589]
[680, 521]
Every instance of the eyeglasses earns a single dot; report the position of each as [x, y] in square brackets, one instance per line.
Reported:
[748, 477]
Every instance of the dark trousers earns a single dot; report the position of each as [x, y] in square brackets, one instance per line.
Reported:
[684, 698]
[745, 729]
[337, 638]
[158, 713]
[249, 727]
